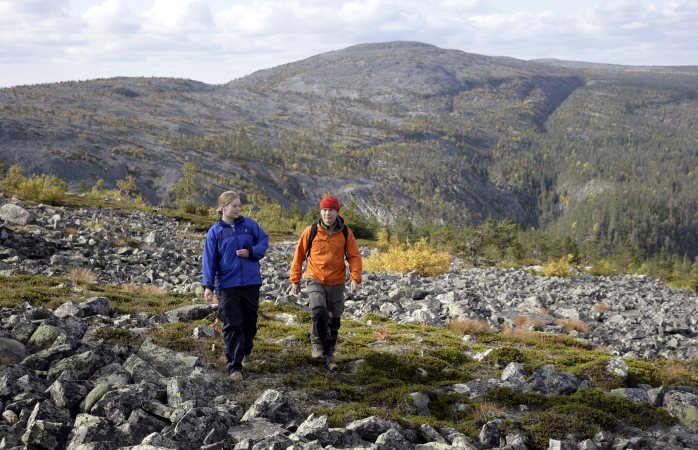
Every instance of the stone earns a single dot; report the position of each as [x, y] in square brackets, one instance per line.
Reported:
[11, 351]
[274, 406]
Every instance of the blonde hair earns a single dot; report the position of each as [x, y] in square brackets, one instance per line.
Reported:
[225, 199]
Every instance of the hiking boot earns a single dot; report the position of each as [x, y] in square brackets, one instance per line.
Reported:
[247, 359]
[316, 352]
[236, 376]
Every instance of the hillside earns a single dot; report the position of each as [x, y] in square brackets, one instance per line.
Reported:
[402, 129]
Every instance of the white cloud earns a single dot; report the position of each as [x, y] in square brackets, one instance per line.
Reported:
[112, 16]
[190, 38]
[178, 17]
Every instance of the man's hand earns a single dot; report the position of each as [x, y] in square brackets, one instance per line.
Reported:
[295, 288]
[208, 295]
[354, 286]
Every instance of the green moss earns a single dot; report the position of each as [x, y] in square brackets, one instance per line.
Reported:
[451, 407]
[38, 290]
[375, 318]
[595, 371]
[639, 415]
[540, 427]
[509, 398]
[342, 415]
[641, 372]
[112, 335]
[268, 311]
[505, 355]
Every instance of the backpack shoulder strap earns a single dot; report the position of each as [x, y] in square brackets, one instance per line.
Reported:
[313, 233]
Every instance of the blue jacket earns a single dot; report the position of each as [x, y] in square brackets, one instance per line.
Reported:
[221, 267]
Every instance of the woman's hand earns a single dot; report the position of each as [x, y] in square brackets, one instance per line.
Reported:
[208, 295]
[243, 253]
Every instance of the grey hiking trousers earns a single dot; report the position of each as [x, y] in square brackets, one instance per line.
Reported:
[326, 302]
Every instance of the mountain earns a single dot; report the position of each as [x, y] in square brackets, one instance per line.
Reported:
[402, 130]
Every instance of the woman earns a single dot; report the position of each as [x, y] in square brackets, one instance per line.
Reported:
[230, 265]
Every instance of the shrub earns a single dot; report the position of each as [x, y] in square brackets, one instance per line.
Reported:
[463, 326]
[43, 188]
[420, 257]
[81, 275]
[572, 324]
[560, 268]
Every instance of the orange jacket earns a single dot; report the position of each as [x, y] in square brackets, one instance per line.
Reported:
[326, 259]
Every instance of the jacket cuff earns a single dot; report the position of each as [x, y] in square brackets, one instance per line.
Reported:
[249, 249]
[208, 286]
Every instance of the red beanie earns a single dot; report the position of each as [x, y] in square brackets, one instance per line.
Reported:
[330, 201]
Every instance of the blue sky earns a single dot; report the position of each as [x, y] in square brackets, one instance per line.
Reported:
[215, 41]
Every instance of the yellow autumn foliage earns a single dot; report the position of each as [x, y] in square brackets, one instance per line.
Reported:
[420, 257]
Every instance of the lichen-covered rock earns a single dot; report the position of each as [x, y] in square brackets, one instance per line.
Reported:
[548, 381]
[275, 406]
[11, 351]
[683, 406]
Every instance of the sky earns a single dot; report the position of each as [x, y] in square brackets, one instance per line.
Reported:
[215, 41]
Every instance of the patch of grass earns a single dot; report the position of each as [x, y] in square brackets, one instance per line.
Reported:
[539, 428]
[573, 324]
[642, 372]
[113, 335]
[446, 406]
[342, 415]
[143, 288]
[81, 275]
[39, 290]
[376, 318]
[463, 326]
[678, 373]
[126, 301]
[505, 355]
[595, 371]
[581, 414]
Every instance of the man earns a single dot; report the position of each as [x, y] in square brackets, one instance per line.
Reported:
[325, 245]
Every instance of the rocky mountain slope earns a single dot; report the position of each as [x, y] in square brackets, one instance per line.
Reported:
[402, 129]
[361, 96]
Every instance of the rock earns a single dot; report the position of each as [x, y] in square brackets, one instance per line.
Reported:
[393, 440]
[276, 407]
[166, 361]
[617, 367]
[683, 406]
[314, 428]
[635, 395]
[11, 351]
[15, 214]
[491, 434]
[369, 428]
[420, 401]
[550, 382]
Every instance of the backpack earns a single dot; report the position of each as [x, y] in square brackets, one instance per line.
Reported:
[313, 233]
